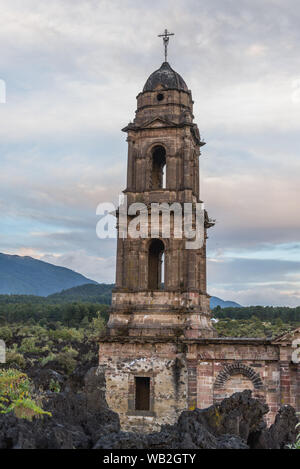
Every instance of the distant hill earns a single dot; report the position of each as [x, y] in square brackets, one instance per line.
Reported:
[28, 276]
[215, 301]
[90, 293]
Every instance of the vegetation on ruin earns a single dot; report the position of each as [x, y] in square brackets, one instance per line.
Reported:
[17, 395]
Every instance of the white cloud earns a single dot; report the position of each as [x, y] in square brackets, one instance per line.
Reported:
[101, 269]
[257, 50]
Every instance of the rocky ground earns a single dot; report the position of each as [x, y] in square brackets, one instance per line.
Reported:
[81, 419]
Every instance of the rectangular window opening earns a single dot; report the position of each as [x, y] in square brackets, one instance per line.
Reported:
[142, 393]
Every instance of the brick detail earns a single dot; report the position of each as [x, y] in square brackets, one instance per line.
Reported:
[238, 368]
[298, 389]
[285, 382]
[192, 384]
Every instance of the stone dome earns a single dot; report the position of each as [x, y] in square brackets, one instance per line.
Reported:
[167, 78]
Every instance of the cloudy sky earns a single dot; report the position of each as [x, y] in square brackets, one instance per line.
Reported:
[72, 70]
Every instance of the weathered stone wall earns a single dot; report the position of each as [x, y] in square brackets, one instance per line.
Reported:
[187, 373]
[163, 363]
[225, 366]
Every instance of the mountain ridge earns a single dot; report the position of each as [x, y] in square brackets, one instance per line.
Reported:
[215, 301]
[21, 275]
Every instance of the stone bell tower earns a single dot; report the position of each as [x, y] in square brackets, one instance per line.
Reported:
[160, 354]
[163, 167]
[160, 299]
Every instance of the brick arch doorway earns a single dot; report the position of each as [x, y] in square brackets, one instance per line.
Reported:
[237, 377]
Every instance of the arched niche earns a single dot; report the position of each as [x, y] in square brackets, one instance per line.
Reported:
[238, 369]
[158, 169]
[156, 251]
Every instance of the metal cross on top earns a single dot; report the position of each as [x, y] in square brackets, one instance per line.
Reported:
[166, 39]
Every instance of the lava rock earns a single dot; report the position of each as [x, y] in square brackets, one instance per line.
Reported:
[78, 421]
[282, 433]
[42, 378]
[83, 420]
[239, 415]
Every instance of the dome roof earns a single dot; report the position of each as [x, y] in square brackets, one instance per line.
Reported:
[167, 77]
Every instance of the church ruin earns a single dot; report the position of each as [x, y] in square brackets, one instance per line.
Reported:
[160, 353]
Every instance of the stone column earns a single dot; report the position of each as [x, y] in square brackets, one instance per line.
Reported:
[120, 266]
[131, 263]
[192, 384]
[143, 266]
[203, 268]
[187, 183]
[298, 389]
[130, 165]
[139, 174]
[191, 268]
[171, 180]
[285, 382]
[205, 384]
[197, 187]
[191, 361]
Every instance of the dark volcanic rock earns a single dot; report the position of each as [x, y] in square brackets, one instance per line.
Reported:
[83, 420]
[165, 440]
[43, 377]
[78, 421]
[39, 434]
[220, 426]
[236, 423]
[282, 433]
[77, 380]
[237, 415]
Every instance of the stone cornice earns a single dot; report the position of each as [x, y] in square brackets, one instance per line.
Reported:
[200, 341]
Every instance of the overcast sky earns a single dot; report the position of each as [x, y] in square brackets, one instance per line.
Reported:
[73, 68]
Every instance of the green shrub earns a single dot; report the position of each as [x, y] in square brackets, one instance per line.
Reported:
[88, 356]
[28, 345]
[67, 334]
[66, 359]
[97, 325]
[49, 358]
[70, 351]
[5, 333]
[16, 395]
[54, 386]
[14, 358]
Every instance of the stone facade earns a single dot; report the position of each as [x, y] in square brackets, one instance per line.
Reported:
[190, 373]
[160, 353]
[163, 362]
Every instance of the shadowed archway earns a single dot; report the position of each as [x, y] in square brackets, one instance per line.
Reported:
[155, 263]
[158, 175]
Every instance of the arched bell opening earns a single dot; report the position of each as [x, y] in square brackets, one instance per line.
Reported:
[156, 265]
[158, 168]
